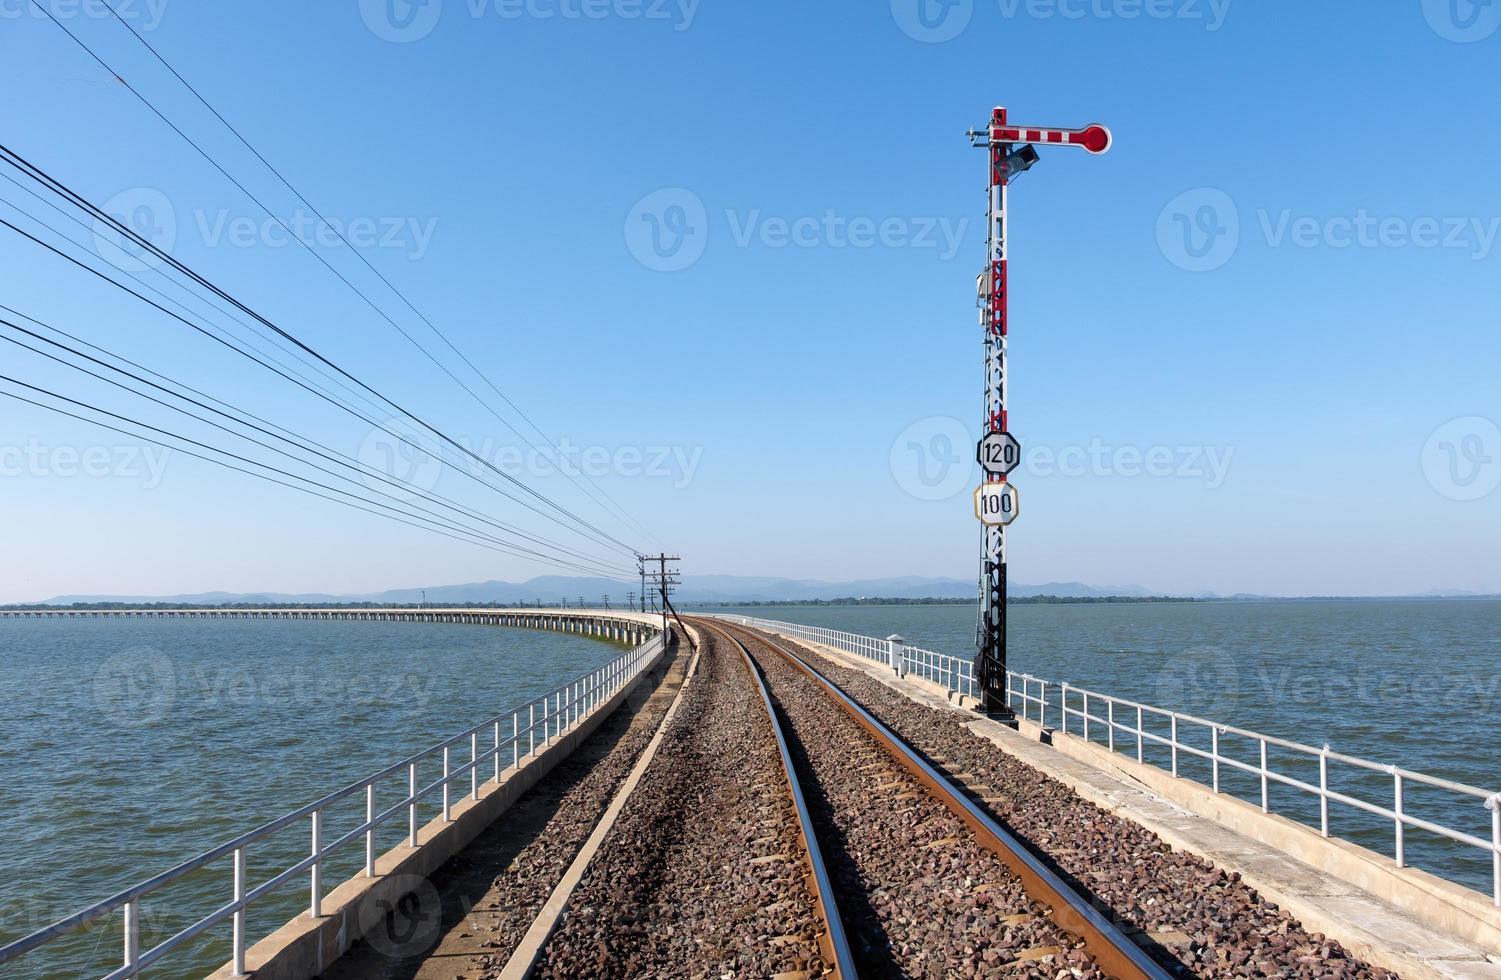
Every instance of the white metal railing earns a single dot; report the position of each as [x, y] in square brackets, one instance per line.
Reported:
[1112, 721]
[955, 673]
[517, 734]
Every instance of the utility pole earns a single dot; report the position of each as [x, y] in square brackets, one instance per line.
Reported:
[581, 603]
[664, 580]
[998, 452]
[641, 568]
[607, 603]
[630, 600]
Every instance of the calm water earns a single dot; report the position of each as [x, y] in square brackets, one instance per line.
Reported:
[128, 746]
[1414, 684]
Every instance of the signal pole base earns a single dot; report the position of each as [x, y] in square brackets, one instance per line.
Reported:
[1004, 715]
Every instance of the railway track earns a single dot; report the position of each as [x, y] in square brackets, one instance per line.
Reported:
[706, 864]
[930, 884]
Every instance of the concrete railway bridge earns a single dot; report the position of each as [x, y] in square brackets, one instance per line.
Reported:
[740, 797]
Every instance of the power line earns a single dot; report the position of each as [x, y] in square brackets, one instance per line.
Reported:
[324, 262]
[363, 471]
[402, 296]
[15, 160]
[414, 521]
[371, 471]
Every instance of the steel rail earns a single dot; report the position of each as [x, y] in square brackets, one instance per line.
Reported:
[1111, 948]
[834, 942]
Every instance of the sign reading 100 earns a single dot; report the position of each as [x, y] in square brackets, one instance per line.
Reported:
[996, 504]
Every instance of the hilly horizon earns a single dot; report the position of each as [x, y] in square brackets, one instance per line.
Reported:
[695, 589]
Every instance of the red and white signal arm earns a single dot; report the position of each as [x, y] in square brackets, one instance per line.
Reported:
[997, 504]
[1093, 138]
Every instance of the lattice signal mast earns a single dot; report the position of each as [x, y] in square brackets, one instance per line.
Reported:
[997, 501]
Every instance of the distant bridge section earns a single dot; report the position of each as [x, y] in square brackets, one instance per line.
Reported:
[621, 626]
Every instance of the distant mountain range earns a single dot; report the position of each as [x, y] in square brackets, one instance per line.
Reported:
[695, 589]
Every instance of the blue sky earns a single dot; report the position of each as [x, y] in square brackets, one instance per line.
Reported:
[1254, 347]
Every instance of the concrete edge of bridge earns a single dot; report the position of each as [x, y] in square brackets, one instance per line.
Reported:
[1403, 919]
[305, 947]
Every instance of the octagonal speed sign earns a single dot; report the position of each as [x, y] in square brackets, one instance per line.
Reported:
[996, 504]
[998, 453]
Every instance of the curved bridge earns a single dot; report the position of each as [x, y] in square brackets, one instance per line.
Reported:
[621, 626]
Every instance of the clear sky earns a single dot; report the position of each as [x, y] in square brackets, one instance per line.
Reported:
[1254, 348]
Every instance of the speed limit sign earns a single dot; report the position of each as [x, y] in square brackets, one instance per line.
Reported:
[998, 453]
[996, 504]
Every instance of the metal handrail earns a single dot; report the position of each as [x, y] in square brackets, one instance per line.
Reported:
[958, 676]
[563, 707]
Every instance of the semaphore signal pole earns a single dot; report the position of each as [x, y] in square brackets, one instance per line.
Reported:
[996, 501]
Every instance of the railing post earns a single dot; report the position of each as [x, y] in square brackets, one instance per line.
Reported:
[1140, 747]
[315, 884]
[1397, 809]
[515, 744]
[1110, 722]
[474, 765]
[412, 804]
[531, 729]
[1063, 708]
[446, 784]
[1265, 801]
[1324, 790]
[370, 833]
[237, 938]
[497, 744]
[1494, 805]
[1214, 754]
[132, 944]
[1174, 735]
[1086, 716]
